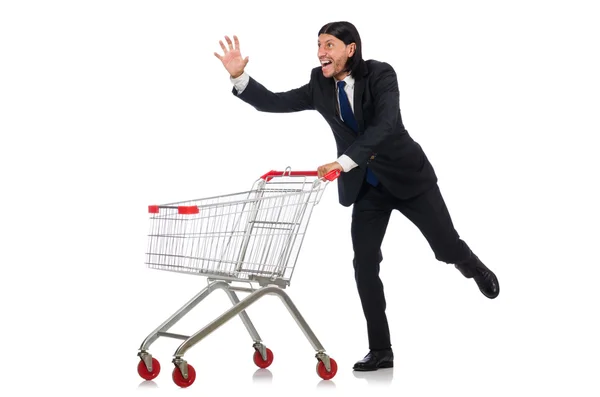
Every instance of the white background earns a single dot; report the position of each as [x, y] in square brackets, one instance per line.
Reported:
[109, 106]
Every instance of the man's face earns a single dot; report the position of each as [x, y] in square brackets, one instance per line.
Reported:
[333, 55]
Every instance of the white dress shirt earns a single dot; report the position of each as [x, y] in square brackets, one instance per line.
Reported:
[240, 83]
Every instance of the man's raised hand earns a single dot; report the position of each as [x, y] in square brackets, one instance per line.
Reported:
[232, 57]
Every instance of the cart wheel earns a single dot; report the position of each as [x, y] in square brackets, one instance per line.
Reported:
[143, 371]
[258, 360]
[180, 380]
[322, 371]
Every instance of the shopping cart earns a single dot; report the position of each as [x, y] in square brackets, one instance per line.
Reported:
[251, 238]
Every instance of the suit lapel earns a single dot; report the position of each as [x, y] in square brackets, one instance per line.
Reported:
[359, 89]
[334, 100]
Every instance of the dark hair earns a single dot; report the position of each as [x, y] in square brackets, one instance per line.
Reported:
[347, 32]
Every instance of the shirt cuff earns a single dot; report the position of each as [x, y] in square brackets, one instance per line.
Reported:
[241, 82]
[346, 162]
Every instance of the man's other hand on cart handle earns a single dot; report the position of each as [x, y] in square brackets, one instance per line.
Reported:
[324, 169]
[232, 58]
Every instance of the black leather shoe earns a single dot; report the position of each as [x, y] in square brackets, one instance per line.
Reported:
[376, 359]
[486, 279]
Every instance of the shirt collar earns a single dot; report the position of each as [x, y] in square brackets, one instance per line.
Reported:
[349, 81]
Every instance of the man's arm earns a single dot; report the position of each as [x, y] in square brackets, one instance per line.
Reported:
[252, 92]
[262, 99]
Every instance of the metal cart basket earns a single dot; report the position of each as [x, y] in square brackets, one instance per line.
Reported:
[251, 238]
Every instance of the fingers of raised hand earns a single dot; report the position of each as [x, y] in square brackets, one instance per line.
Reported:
[229, 43]
[223, 46]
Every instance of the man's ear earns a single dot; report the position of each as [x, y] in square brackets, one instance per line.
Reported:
[351, 49]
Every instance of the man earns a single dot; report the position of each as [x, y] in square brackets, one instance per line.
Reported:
[383, 168]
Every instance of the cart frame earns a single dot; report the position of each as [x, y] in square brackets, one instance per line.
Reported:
[273, 282]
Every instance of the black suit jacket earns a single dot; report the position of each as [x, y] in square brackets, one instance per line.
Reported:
[382, 142]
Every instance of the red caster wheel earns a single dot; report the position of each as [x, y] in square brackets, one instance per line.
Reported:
[149, 375]
[180, 380]
[322, 371]
[258, 360]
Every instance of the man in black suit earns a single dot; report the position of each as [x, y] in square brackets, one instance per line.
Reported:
[383, 168]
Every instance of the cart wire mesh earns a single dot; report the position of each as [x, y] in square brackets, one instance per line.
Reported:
[247, 236]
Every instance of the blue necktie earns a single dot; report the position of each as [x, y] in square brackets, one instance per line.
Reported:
[348, 117]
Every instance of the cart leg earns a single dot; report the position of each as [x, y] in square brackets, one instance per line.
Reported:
[146, 357]
[241, 306]
[326, 366]
[178, 315]
[243, 315]
[248, 324]
[322, 357]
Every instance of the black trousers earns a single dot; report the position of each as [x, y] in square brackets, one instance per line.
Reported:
[370, 216]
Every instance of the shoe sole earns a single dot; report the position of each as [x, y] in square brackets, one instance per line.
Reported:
[381, 366]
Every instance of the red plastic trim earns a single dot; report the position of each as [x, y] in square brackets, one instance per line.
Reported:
[288, 173]
[188, 209]
[153, 209]
[330, 176]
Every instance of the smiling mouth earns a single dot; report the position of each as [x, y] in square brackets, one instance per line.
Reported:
[325, 63]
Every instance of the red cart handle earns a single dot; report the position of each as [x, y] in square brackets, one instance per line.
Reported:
[330, 176]
[182, 209]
